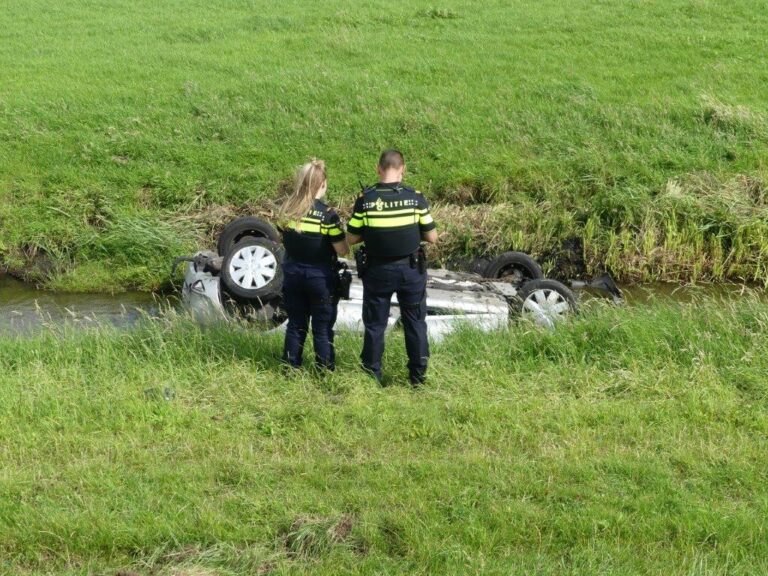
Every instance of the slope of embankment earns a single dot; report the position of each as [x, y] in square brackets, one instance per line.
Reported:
[633, 133]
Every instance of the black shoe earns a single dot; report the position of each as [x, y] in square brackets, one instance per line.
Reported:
[322, 368]
[372, 374]
[288, 369]
[418, 380]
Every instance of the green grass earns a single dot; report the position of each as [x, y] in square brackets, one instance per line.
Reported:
[640, 128]
[631, 441]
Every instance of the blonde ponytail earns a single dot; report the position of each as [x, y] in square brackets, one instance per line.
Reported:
[309, 178]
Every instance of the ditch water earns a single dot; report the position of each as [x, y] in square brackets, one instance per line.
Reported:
[23, 308]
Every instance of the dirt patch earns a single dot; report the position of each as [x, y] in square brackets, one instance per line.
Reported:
[33, 264]
[341, 531]
[194, 572]
[266, 568]
[314, 536]
[565, 262]
[469, 193]
[211, 220]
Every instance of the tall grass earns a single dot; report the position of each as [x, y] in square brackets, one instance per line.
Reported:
[630, 441]
[577, 116]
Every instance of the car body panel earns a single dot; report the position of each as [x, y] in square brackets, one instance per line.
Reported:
[453, 300]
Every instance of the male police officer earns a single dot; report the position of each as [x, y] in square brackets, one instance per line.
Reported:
[392, 220]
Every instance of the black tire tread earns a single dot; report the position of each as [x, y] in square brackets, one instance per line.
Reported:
[531, 268]
[245, 227]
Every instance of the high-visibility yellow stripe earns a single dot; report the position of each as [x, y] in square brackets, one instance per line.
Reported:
[310, 220]
[306, 227]
[425, 211]
[372, 213]
[424, 220]
[356, 222]
[333, 232]
[392, 222]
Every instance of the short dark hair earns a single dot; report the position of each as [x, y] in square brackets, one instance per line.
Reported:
[391, 159]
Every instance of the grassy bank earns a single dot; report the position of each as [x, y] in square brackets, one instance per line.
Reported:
[637, 128]
[631, 441]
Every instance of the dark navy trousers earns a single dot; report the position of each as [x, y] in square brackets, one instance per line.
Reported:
[381, 281]
[308, 293]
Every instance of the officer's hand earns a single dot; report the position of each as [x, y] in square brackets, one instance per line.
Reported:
[430, 236]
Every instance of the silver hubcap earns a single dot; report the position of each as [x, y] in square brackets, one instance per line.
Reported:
[253, 267]
[546, 307]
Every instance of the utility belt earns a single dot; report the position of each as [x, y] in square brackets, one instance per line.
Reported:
[416, 260]
[340, 269]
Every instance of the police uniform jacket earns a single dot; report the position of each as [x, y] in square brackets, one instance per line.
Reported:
[312, 242]
[390, 218]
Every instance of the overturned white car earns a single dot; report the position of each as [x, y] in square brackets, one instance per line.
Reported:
[244, 280]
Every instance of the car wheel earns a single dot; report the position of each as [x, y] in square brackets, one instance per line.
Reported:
[247, 227]
[252, 270]
[513, 267]
[545, 302]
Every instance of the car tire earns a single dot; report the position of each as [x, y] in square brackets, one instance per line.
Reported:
[545, 302]
[246, 227]
[253, 270]
[514, 267]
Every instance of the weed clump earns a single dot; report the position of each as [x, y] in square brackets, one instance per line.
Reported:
[441, 13]
[314, 536]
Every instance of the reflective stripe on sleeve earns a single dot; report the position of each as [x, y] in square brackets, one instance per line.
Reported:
[331, 230]
[357, 220]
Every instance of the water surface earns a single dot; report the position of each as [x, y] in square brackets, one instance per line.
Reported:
[23, 308]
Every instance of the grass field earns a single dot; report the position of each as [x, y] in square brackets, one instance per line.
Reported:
[130, 130]
[631, 441]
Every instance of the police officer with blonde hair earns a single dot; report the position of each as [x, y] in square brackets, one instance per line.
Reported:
[313, 237]
[392, 220]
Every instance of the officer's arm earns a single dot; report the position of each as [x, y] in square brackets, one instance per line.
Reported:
[356, 223]
[341, 247]
[332, 227]
[427, 225]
